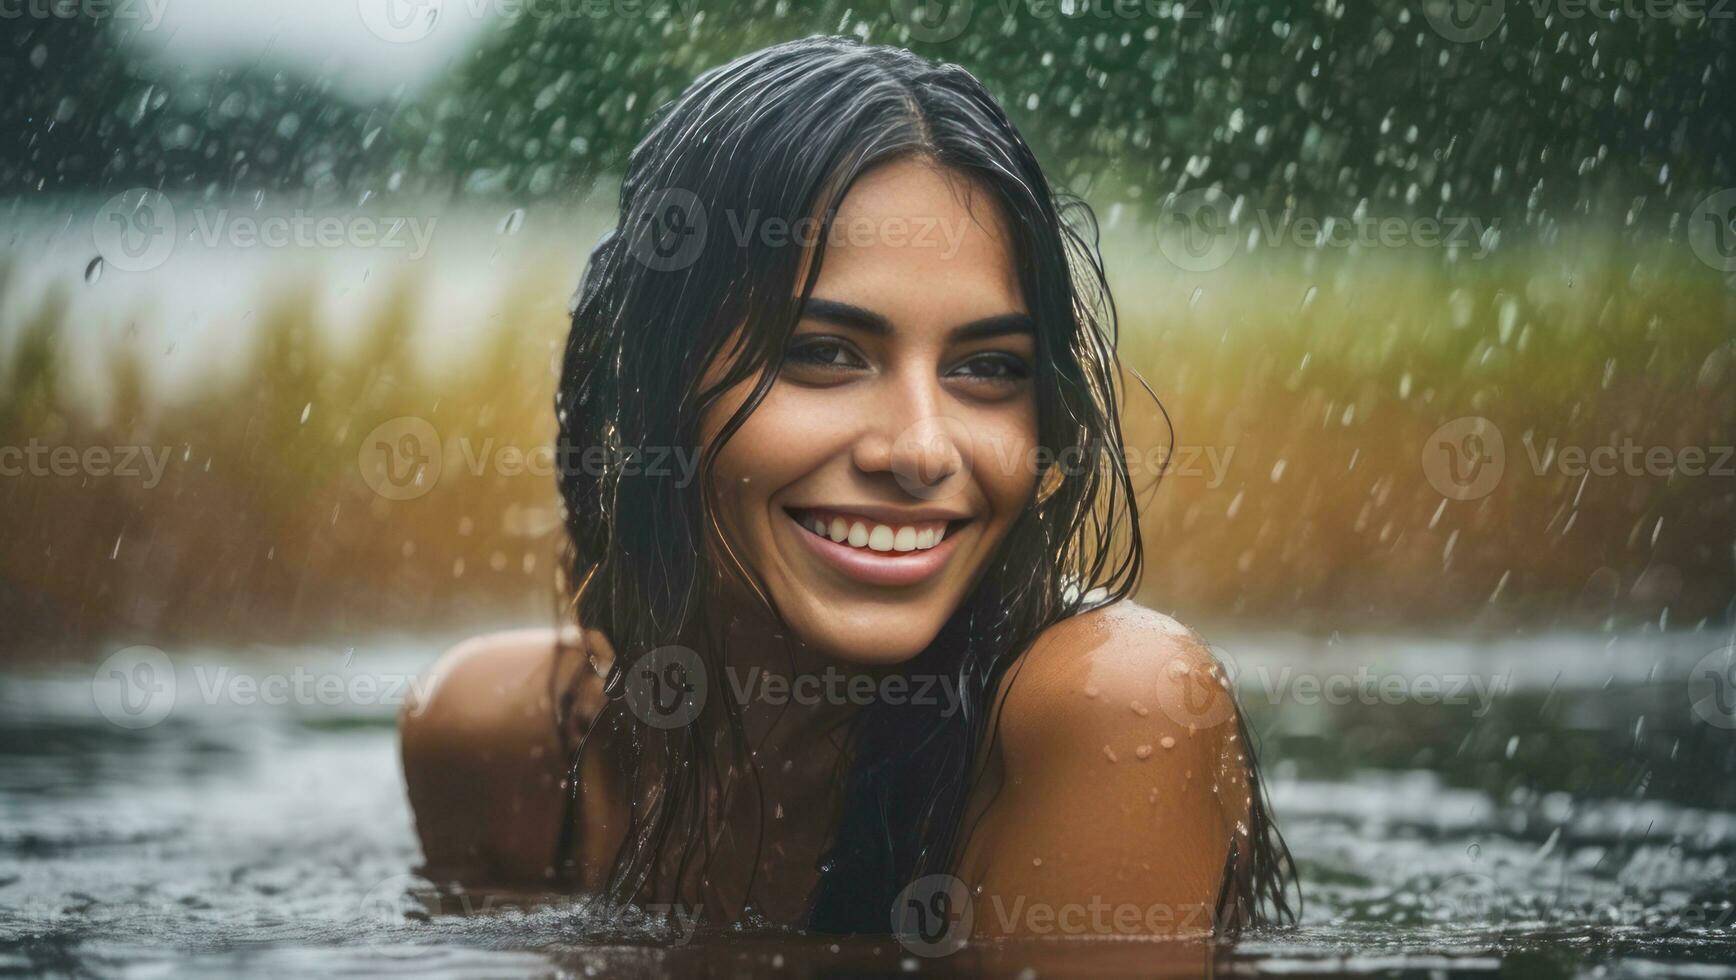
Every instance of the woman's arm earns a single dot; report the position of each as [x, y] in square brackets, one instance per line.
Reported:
[483, 762]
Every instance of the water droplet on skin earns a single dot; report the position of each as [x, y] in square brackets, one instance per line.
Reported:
[93, 271]
[1036, 862]
[1139, 709]
[1177, 668]
[1109, 753]
[1168, 741]
[513, 221]
[1144, 752]
[1475, 850]
[1090, 690]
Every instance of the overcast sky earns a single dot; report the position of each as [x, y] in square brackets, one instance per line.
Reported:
[366, 47]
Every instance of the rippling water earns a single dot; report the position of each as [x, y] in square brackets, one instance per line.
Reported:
[1574, 818]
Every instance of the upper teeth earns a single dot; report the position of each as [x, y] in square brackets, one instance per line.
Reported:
[877, 537]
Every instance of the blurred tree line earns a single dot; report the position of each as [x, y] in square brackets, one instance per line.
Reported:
[1317, 105]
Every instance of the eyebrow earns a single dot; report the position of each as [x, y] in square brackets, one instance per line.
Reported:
[857, 318]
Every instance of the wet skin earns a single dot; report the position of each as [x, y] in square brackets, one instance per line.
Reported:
[868, 492]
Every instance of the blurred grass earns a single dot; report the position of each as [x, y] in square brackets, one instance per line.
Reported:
[1312, 379]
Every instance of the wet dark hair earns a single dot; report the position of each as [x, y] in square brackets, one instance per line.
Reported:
[782, 134]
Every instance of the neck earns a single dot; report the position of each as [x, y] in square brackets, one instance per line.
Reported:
[791, 696]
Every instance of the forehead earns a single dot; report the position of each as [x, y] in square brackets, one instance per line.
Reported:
[922, 246]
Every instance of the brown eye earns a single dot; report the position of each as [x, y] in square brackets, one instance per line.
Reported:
[824, 353]
[994, 367]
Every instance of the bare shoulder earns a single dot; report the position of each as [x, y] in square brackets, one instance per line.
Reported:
[483, 759]
[1120, 669]
[1121, 780]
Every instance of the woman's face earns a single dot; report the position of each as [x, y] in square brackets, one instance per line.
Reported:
[871, 486]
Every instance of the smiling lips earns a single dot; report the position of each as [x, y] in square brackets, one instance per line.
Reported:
[874, 552]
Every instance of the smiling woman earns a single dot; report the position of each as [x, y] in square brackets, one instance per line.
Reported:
[868, 407]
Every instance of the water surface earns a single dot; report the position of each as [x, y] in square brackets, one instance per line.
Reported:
[1573, 819]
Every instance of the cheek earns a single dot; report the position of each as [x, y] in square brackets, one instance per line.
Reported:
[1004, 465]
[773, 447]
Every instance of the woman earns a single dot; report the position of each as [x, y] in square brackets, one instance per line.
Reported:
[871, 655]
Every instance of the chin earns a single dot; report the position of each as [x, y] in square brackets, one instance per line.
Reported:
[877, 646]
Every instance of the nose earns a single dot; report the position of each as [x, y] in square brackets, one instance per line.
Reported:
[909, 436]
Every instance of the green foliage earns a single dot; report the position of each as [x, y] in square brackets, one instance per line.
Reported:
[1320, 106]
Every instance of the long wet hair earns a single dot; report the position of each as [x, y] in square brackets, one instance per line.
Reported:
[782, 134]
